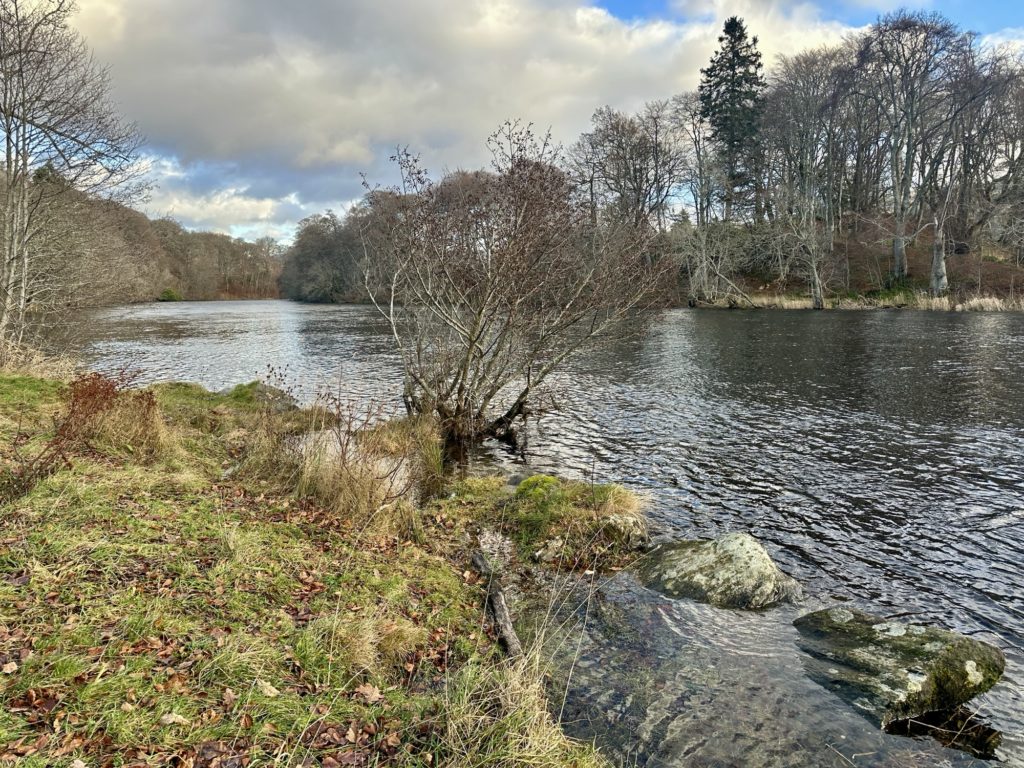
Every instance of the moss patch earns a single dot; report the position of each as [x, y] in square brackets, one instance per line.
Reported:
[565, 523]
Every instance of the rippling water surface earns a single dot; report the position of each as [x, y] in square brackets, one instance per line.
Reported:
[879, 455]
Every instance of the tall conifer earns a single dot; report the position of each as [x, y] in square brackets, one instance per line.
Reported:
[730, 92]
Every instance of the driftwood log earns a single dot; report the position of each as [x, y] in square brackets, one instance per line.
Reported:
[498, 606]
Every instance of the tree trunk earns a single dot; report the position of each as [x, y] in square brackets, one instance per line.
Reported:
[817, 294]
[899, 256]
[939, 282]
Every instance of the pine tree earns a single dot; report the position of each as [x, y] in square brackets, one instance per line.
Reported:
[730, 93]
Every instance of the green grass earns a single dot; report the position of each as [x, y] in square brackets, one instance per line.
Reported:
[162, 608]
[578, 524]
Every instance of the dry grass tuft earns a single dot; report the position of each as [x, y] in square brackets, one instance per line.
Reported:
[989, 304]
[371, 471]
[778, 301]
[334, 650]
[131, 425]
[498, 715]
[352, 481]
[23, 360]
[933, 303]
[338, 649]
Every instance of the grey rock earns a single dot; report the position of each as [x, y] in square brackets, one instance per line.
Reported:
[893, 671]
[551, 551]
[629, 529]
[733, 571]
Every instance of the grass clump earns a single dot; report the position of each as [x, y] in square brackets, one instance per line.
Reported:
[568, 523]
[169, 294]
[497, 715]
[339, 650]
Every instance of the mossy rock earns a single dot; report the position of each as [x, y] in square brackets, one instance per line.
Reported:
[733, 571]
[256, 393]
[893, 671]
[574, 524]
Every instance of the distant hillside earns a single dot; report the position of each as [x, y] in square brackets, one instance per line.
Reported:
[154, 259]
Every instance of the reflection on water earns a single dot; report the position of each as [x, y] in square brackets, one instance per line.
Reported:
[878, 455]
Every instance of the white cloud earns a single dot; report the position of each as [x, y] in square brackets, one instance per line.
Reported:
[297, 99]
[1011, 37]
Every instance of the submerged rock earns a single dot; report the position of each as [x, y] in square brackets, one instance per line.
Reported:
[733, 571]
[660, 683]
[893, 671]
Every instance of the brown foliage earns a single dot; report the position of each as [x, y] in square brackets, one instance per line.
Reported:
[99, 408]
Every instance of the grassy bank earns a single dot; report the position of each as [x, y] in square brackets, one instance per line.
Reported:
[891, 299]
[182, 586]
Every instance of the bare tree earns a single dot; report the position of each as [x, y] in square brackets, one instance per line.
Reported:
[631, 164]
[491, 280]
[906, 59]
[804, 149]
[699, 170]
[61, 133]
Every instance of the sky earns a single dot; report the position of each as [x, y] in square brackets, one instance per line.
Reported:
[258, 113]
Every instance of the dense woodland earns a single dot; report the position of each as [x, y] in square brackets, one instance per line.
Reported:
[154, 259]
[894, 161]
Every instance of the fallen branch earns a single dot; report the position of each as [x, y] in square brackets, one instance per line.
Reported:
[498, 606]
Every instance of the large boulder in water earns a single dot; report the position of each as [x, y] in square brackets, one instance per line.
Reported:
[893, 671]
[733, 571]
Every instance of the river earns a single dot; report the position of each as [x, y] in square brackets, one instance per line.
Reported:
[877, 454]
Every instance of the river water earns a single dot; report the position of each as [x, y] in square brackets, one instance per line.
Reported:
[878, 455]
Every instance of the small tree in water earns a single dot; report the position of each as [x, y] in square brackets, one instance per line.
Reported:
[491, 280]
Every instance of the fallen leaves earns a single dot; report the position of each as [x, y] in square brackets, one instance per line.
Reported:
[23, 747]
[172, 718]
[9, 668]
[222, 754]
[360, 743]
[267, 689]
[369, 693]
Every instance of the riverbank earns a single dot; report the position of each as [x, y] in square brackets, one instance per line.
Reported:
[176, 587]
[913, 300]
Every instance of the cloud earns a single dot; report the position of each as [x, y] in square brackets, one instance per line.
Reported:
[266, 111]
[1011, 37]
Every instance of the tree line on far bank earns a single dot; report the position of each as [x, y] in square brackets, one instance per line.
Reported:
[893, 161]
[154, 259]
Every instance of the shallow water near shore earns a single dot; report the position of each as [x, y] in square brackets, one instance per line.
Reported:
[878, 455]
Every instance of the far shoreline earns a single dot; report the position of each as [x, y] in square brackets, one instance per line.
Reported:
[755, 301]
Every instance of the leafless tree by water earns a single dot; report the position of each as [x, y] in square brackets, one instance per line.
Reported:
[491, 280]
